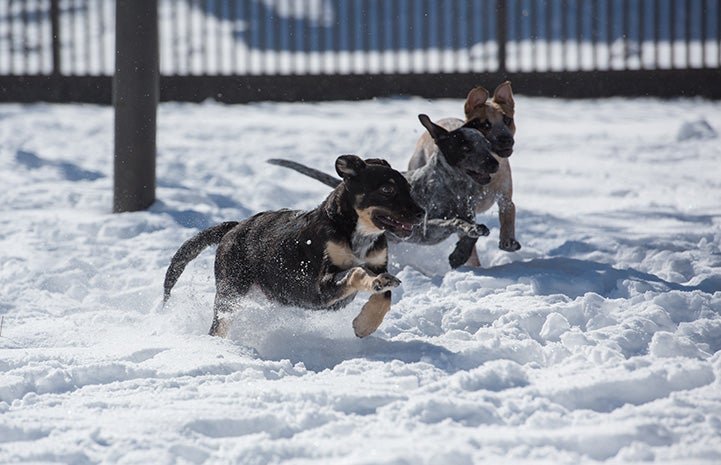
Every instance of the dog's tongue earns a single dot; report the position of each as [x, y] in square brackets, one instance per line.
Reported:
[402, 229]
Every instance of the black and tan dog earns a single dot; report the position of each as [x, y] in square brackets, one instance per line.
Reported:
[447, 186]
[317, 259]
[497, 125]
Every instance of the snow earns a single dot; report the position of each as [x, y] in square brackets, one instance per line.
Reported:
[598, 342]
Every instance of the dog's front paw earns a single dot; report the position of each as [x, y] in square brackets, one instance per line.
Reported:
[478, 230]
[509, 245]
[385, 282]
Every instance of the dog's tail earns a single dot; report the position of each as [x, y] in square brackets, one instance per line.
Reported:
[191, 249]
[318, 175]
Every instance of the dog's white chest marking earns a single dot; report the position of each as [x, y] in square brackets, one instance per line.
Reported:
[361, 244]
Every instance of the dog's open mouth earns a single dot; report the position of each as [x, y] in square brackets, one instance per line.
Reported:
[396, 227]
[479, 177]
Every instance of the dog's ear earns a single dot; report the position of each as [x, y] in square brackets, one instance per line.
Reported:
[503, 96]
[348, 166]
[475, 123]
[476, 97]
[377, 161]
[434, 130]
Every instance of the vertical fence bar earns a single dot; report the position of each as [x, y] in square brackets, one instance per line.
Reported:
[42, 49]
[579, 34]
[329, 47]
[234, 36]
[417, 34]
[3, 34]
[656, 34]
[55, 31]
[564, 35]
[476, 35]
[135, 99]
[88, 40]
[502, 34]
[518, 39]
[219, 29]
[687, 11]
[625, 21]
[77, 39]
[462, 45]
[189, 35]
[11, 39]
[609, 31]
[206, 20]
[245, 15]
[25, 37]
[378, 33]
[641, 32]
[260, 21]
[174, 37]
[595, 20]
[271, 48]
[549, 34]
[672, 28]
[426, 43]
[314, 25]
[704, 33]
[446, 37]
[533, 20]
[100, 18]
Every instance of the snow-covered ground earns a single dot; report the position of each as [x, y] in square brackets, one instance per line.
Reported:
[598, 342]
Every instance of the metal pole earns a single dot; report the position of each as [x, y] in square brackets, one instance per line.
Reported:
[135, 98]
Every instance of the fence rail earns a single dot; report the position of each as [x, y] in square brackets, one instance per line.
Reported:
[240, 50]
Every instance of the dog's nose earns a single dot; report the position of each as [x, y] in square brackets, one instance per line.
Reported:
[505, 140]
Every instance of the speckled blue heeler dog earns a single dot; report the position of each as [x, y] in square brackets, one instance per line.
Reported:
[316, 259]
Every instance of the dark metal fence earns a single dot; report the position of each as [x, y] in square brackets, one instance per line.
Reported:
[241, 50]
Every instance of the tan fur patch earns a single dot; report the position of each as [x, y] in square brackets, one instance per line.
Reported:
[365, 222]
[372, 314]
[340, 255]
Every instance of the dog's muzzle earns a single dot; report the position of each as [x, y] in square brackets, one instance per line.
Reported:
[503, 146]
[401, 228]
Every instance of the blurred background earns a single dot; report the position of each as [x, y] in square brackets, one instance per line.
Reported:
[247, 50]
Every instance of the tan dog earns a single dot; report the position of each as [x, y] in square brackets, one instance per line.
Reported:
[498, 128]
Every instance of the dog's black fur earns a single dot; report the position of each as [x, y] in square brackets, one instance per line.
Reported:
[447, 186]
[316, 259]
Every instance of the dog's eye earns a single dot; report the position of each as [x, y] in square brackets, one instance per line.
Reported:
[387, 189]
[485, 125]
[466, 148]
[507, 120]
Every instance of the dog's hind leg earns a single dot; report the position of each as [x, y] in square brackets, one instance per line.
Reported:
[227, 295]
[221, 312]
[372, 314]
[221, 316]
[233, 279]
